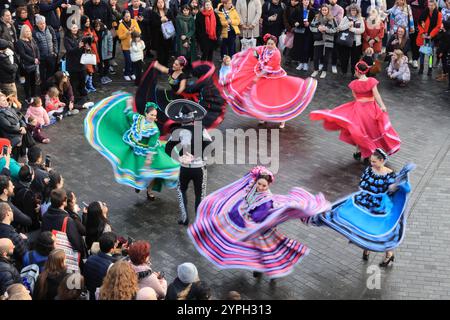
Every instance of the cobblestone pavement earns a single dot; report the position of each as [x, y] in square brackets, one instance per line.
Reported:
[312, 158]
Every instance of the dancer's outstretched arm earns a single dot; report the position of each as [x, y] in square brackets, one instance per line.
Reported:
[378, 99]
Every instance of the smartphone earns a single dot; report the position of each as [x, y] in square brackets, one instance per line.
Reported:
[161, 275]
[130, 241]
[5, 150]
[47, 161]
[85, 204]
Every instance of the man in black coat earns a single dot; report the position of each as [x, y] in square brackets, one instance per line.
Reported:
[7, 28]
[53, 219]
[8, 69]
[97, 265]
[8, 273]
[12, 126]
[35, 161]
[272, 15]
[7, 231]
[20, 219]
[99, 9]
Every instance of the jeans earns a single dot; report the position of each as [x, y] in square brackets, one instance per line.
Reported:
[128, 64]
[229, 44]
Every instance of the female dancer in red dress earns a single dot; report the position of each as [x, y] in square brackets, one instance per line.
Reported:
[363, 122]
[258, 87]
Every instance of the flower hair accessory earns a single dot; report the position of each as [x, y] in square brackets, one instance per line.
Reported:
[258, 171]
[362, 63]
[151, 105]
[268, 37]
[383, 153]
[182, 60]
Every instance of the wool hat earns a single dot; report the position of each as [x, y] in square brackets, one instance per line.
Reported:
[187, 272]
[4, 44]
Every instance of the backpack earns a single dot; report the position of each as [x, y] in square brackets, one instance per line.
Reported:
[29, 274]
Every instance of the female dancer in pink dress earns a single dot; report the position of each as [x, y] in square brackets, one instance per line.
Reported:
[258, 87]
[363, 122]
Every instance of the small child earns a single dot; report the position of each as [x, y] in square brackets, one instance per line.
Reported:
[37, 111]
[225, 68]
[35, 130]
[372, 62]
[137, 56]
[398, 68]
[53, 106]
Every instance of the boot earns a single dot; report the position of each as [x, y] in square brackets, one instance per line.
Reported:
[86, 85]
[421, 69]
[91, 85]
[430, 71]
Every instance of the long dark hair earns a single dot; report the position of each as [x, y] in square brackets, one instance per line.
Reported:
[53, 267]
[59, 77]
[95, 221]
[55, 179]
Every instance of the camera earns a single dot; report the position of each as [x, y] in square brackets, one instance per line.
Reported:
[5, 150]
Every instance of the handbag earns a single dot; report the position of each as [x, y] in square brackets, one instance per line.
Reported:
[345, 38]
[247, 43]
[168, 30]
[281, 42]
[88, 58]
[289, 40]
[62, 242]
[426, 49]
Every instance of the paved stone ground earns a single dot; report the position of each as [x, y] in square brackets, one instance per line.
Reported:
[312, 158]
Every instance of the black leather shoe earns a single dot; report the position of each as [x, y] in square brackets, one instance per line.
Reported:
[257, 274]
[150, 196]
[365, 256]
[184, 223]
[385, 263]
[137, 190]
[357, 156]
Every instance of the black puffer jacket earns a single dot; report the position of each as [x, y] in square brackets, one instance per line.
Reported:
[8, 274]
[7, 69]
[73, 53]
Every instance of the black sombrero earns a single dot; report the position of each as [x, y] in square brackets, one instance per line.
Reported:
[183, 110]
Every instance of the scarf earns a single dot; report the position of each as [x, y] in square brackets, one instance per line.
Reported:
[210, 22]
[184, 23]
[433, 19]
[127, 24]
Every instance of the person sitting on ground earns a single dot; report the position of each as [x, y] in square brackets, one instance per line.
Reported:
[398, 69]
[55, 270]
[180, 288]
[35, 129]
[8, 272]
[97, 265]
[45, 244]
[139, 253]
[53, 106]
[37, 111]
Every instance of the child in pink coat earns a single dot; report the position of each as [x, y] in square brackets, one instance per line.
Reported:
[38, 112]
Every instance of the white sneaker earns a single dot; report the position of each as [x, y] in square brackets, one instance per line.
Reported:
[415, 64]
[299, 67]
[323, 75]
[127, 78]
[305, 66]
[314, 74]
[334, 69]
[133, 77]
[320, 67]
[114, 63]
[87, 105]
[22, 80]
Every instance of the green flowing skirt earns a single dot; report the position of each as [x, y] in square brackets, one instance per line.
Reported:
[104, 127]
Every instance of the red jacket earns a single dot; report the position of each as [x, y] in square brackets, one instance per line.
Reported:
[424, 29]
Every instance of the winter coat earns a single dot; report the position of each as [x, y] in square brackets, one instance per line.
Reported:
[100, 11]
[28, 51]
[147, 278]
[10, 124]
[235, 20]
[402, 72]
[276, 27]
[250, 14]
[39, 114]
[95, 270]
[200, 30]
[50, 13]
[425, 29]
[105, 45]
[8, 69]
[377, 34]
[8, 34]
[137, 51]
[187, 29]
[358, 29]
[46, 41]
[327, 38]
[20, 244]
[124, 36]
[8, 274]
[73, 53]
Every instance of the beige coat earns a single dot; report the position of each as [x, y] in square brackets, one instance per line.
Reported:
[250, 15]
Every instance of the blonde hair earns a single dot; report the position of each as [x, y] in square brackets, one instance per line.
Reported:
[120, 282]
[53, 92]
[22, 32]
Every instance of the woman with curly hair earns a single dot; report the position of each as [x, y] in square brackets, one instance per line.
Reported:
[120, 283]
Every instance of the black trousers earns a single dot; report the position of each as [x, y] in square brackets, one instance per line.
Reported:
[137, 70]
[353, 53]
[301, 51]
[414, 47]
[199, 177]
[78, 82]
[47, 67]
[30, 85]
[322, 54]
